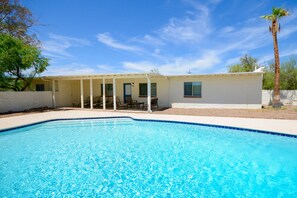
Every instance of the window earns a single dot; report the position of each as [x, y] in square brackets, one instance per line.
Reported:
[39, 87]
[108, 90]
[192, 89]
[143, 89]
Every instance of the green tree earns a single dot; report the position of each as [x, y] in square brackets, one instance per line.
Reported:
[247, 64]
[268, 78]
[288, 75]
[20, 62]
[277, 13]
[16, 20]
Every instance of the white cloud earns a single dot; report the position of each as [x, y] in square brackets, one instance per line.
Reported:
[286, 31]
[157, 51]
[69, 69]
[232, 61]
[178, 65]
[108, 69]
[192, 28]
[215, 1]
[149, 40]
[185, 30]
[200, 7]
[253, 34]
[270, 57]
[227, 29]
[106, 39]
[196, 27]
[255, 7]
[246, 38]
[183, 65]
[57, 45]
[143, 66]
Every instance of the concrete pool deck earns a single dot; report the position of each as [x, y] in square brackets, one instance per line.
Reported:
[275, 125]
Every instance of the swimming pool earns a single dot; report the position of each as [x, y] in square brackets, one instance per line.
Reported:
[125, 157]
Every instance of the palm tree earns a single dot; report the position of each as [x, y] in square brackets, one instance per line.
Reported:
[277, 13]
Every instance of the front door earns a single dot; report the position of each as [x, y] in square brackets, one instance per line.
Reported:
[127, 91]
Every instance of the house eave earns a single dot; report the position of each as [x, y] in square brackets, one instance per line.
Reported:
[104, 76]
[145, 75]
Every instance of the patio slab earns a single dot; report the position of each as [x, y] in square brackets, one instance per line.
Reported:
[275, 125]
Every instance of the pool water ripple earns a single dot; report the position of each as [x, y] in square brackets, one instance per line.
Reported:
[127, 158]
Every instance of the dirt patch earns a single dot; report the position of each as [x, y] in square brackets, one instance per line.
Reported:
[288, 112]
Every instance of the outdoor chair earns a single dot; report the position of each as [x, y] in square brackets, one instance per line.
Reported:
[87, 102]
[121, 105]
[131, 103]
[109, 101]
[154, 102]
[98, 102]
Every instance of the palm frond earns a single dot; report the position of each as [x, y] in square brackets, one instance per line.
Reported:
[268, 17]
[277, 13]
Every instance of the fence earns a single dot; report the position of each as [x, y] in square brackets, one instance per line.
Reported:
[20, 101]
[288, 97]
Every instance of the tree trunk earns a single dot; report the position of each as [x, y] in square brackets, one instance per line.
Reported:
[276, 96]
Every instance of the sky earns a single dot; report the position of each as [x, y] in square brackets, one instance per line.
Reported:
[172, 36]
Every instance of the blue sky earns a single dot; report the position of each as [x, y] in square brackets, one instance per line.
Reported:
[173, 36]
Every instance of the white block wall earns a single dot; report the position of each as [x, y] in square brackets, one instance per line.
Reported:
[20, 101]
[288, 97]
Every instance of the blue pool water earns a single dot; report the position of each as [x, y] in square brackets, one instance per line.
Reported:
[127, 158]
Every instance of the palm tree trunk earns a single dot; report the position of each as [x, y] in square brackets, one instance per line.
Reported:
[276, 96]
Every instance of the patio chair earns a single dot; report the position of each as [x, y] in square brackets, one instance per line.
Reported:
[121, 105]
[131, 103]
[98, 102]
[154, 102]
[109, 101]
[87, 102]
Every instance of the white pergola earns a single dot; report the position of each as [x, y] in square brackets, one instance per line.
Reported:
[102, 77]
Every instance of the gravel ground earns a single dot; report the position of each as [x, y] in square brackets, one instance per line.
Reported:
[287, 113]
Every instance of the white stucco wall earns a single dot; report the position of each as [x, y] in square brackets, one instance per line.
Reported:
[288, 97]
[162, 90]
[218, 92]
[20, 101]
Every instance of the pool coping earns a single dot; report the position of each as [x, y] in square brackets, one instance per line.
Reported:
[153, 120]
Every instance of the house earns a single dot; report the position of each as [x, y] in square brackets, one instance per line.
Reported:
[229, 90]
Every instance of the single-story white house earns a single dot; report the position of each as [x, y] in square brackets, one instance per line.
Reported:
[229, 90]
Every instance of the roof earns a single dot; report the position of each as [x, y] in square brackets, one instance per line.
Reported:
[219, 74]
[144, 75]
[101, 76]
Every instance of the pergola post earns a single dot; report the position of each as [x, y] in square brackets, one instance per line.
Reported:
[54, 93]
[81, 93]
[103, 93]
[149, 108]
[91, 94]
[114, 94]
